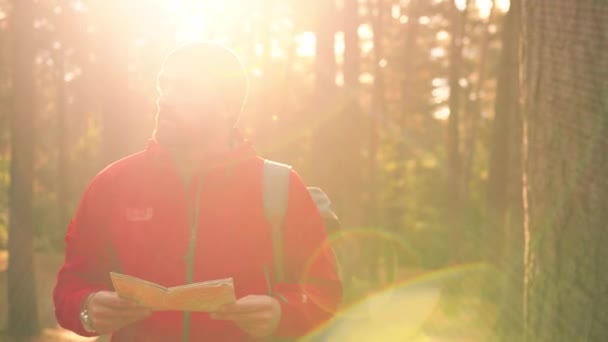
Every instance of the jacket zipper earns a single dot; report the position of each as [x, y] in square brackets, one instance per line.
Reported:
[269, 286]
[193, 219]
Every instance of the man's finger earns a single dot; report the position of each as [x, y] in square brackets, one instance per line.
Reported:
[255, 330]
[111, 299]
[245, 304]
[254, 317]
[121, 314]
[112, 321]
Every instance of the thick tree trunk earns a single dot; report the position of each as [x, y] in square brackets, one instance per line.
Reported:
[504, 234]
[564, 88]
[21, 294]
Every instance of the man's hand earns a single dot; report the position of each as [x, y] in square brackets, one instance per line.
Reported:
[109, 312]
[257, 315]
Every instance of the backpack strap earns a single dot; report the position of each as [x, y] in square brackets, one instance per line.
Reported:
[275, 191]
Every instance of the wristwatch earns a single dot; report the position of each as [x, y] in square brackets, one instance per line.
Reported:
[85, 318]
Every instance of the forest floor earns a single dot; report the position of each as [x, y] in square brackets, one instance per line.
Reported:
[423, 309]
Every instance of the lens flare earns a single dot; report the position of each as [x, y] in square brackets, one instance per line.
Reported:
[395, 313]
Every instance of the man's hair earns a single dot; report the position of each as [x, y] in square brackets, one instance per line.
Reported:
[221, 65]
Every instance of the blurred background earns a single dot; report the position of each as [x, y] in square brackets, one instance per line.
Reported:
[406, 112]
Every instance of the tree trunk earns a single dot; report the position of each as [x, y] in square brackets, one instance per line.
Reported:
[504, 234]
[350, 121]
[476, 106]
[396, 213]
[21, 280]
[378, 111]
[372, 252]
[324, 110]
[454, 162]
[564, 87]
[62, 129]
[114, 80]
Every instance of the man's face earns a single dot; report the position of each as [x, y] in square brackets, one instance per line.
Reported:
[191, 108]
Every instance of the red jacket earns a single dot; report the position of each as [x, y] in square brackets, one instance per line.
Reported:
[135, 218]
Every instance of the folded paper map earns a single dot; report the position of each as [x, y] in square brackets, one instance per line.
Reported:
[206, 296]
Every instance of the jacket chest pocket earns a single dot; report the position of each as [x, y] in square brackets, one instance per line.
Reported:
[143, 232]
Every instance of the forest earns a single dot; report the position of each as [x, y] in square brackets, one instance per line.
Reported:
[463, 144]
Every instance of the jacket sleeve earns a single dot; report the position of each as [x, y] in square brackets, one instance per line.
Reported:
[312, 291]
[87, 262]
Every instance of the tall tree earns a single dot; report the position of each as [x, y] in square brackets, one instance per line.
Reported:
[21, 280]
[325, 108]
[350, 119]
[114, 79]
[63, 127]
[476, 107]
[410, 34]
[564, 87]
[504, 235]
[377, 111]
[454, 161]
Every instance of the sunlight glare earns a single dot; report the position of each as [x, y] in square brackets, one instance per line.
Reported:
[424, 20]
[339, 79]
[393, 314]
[442, 35]
[259, 49]
[79, 6]
[256, 72]
[339, 46]
[276, 51]
[460, 4]
[438, 52]
[396, 11]
[306, 44]
[442, 113]
[484, 6]
[366, 78]
[365, 31]
[189, 28]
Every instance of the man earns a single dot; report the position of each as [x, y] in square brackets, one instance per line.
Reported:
[187, 209]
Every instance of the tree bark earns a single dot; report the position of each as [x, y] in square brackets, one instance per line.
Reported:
[21, 280]
[504, 234]
[564, 88]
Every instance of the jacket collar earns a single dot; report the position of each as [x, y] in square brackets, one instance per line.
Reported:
[241, 151]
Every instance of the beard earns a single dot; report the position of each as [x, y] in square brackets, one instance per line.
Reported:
[197, 132]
